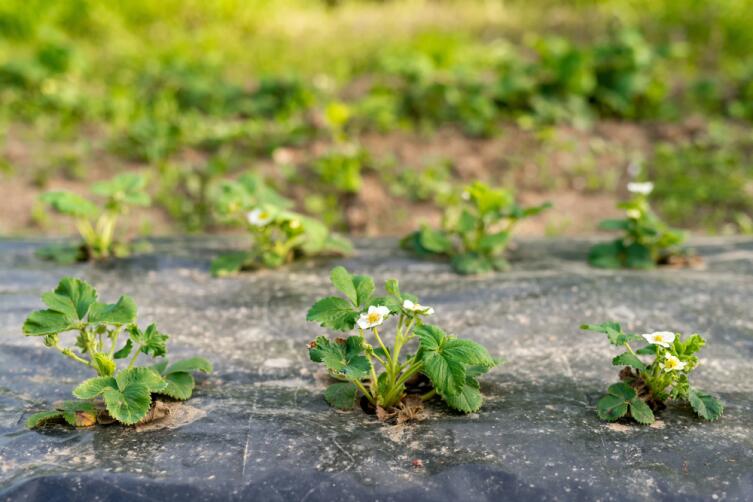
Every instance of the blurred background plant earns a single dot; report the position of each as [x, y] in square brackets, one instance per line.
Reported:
[368, 113]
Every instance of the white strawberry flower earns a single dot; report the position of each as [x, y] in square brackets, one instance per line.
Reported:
[417, 307]
[644, 188]
[661, 338]
[373, 317]
[672, 363]
[259, 217]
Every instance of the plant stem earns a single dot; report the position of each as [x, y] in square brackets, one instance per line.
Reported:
[363, 389]
[70, 354]
[135, 356]
[381, 344]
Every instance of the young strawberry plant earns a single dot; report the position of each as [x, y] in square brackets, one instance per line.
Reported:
[475, 230]
[279, 235]
[97, 224]
[388, 380]
[645, 386]
[646, 241]
[106, 334]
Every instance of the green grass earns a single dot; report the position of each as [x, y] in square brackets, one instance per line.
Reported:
[230, 81]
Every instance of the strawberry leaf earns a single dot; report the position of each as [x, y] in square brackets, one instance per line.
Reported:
[333, 313]
[341, 395]
[705, 405]
[341, 357]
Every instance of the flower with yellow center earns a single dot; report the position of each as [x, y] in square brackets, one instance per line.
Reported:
[259, 217]
[417, 308]
[661, 338]
[671, 363]
[373, 317]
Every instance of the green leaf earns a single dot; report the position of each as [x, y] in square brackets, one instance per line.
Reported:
[622, 390]
[614, 224]
[229, 263]
[151, 341]
[471, 263]
[127, 188]
[180, 385]
[705, 405]
[641, 412]
[343, 281]
[606, 255]
[603, 327]
[63, 254]
[393, 287]
[445, 370]
[689, 346]
[628, 359]
[148, 377]
[70, 204]
[365, 287]
[334, 313]
[611, 408]
[337, 244]
[93, 387]
[638, 256]
[45, 322]
[614, 405]
[344, 357]
[121, 312]
[72, 297]
[42, 418]
[468, 352]
[434, 241]
[124, 351]
[469, 398]
[190, 365]
[341, 395]
[494, 243]
[128, 404]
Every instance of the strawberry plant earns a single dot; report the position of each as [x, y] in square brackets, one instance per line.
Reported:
[476, 229]
[106, 334]
[279, 235]
[97, 223]
[436, 363]
[644, 387]
[646, 242]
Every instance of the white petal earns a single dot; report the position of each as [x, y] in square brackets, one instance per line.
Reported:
[641, 188]
[429, 311]
[408, 305]
[383, 311]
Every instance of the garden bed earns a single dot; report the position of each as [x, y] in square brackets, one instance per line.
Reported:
[263, 430]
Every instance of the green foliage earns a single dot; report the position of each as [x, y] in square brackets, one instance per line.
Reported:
[621, 400]
[97, 225]
[451, 364]
[646, 241]
[126, 393]
[645, 386]
[475, 231]
[705, 182]
[279, 234]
